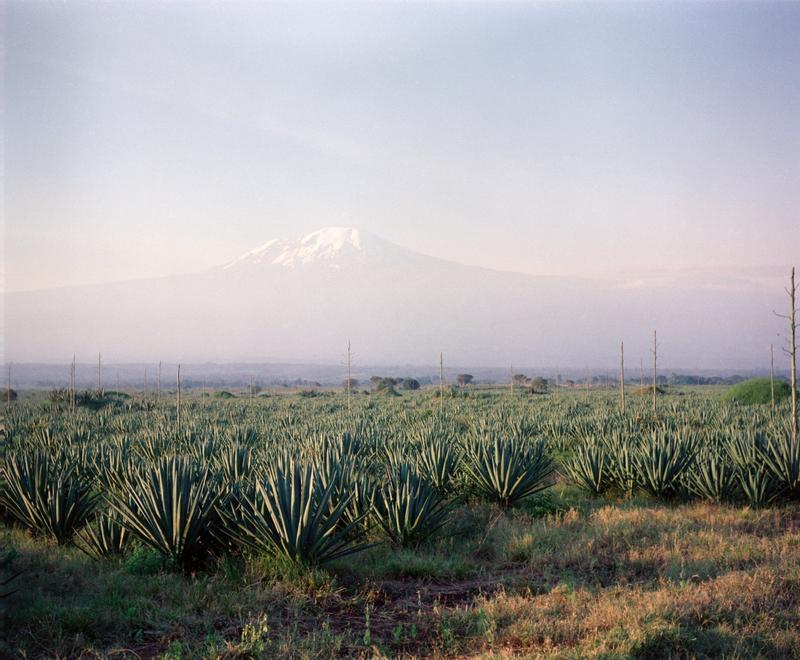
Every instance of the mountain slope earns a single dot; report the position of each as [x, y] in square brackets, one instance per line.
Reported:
[303, 299]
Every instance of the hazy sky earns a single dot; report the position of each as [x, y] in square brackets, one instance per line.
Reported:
[565, 138]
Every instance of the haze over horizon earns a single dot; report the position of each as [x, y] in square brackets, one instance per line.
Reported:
[644, 155]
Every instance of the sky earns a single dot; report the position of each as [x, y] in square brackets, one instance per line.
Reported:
[146, 138]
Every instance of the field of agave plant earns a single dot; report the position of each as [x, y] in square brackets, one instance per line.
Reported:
[305, 481]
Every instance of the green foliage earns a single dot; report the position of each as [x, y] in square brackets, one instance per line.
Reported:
[291, 514]
[757, 390]
[589, 468]
[8, 394]
[105, 537]
[659, 461]
[49, 496]
[506, 471]
[170, 506]
[437, 461]
[712, 476]
[408, 508]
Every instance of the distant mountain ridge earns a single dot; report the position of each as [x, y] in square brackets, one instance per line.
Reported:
[304, 298]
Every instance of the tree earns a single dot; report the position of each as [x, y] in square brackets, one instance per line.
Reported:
[792, 350]
[464, 379]
[410, 384]
[539, 384]
[520, 379]
[350, 383]
[383, 384]
[8, 394]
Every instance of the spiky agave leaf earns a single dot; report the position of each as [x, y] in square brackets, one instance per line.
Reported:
[660, 460]
[47, 497]
[290, 515]
[619, 452]
[507, 471]
[437, 461]
[757, 484]
[105, 537]
[588, 467]
[756, 480]
[781, 456]
[409, 508]
[170, 506]
[712, 476]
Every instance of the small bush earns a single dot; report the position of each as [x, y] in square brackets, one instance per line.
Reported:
[8, 394]
[757, 390]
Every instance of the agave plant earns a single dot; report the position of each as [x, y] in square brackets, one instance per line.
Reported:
[48, 498]
[660, 460]
[409, 508]
[507, 471]
[781, 456]
[236, 463]
[621, 468]
[755, 478]
[712, 476]
[170, 506]
[757, 484]
[105, 537]
[437, 461]
[289, 514]
[588, 467]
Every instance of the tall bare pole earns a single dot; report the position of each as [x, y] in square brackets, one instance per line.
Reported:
[178, 397]
[441, 382]
[349, 377]
[655, 368]
[772, 373]
[72, 384]
[622, 374]
[792, 352]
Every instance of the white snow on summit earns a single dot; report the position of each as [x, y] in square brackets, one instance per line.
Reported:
[331, 247]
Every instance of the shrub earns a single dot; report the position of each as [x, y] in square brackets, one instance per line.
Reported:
[7, 394]
[757, 390]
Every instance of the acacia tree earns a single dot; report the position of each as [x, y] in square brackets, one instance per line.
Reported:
[539, 384]
[464, 379]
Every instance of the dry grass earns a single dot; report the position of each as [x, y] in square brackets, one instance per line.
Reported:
[600, 579]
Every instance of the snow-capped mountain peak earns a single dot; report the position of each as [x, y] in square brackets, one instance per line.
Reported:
[331, 247]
